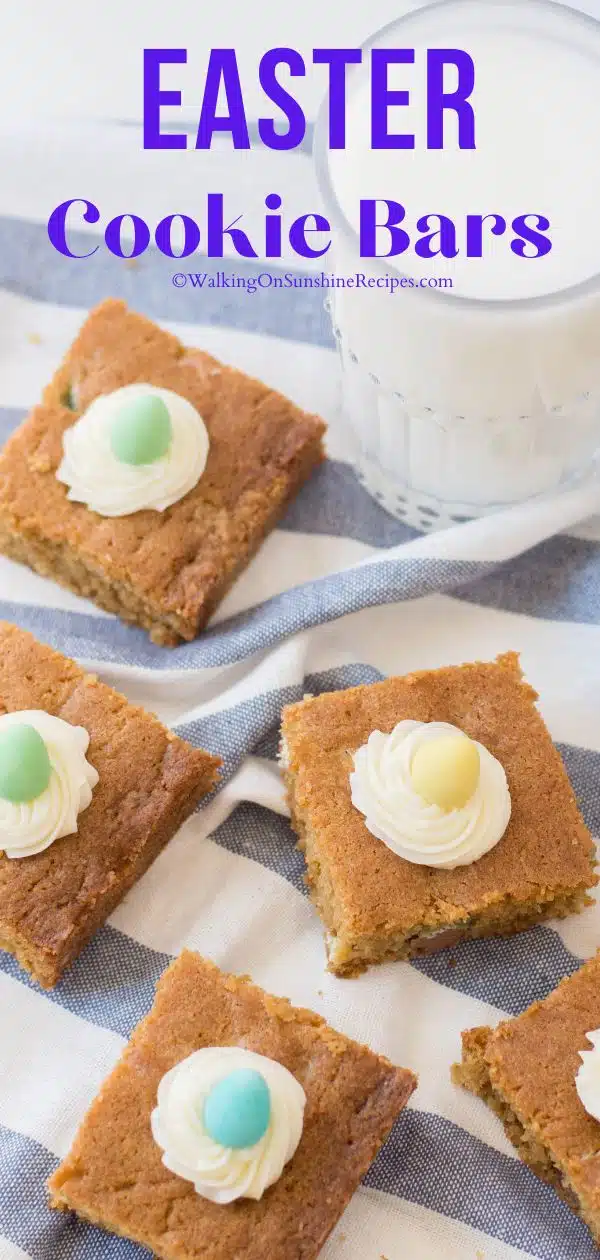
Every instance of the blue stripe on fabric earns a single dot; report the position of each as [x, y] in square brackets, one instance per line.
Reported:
[27, 1221]
[559, 579]
[233, 733]
[334, 502]
[314, 603]
[300, 608]
[508, 972]
[10, 417]
[111, 984]
[256, 833]
[583, 768]
[431, 1161]
[32, 268]
[268, 745]
[427, 1160]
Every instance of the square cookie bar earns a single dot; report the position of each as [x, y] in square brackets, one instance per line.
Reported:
[114, 1175]
[525, 1071]
[377, 905]
[163, 570]
[148, 782]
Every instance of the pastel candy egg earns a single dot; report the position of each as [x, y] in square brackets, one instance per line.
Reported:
[237, 1109]
[141, 432]
[445, 771]
[24, 763]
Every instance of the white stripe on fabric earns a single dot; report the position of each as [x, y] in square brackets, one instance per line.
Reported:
[52, 1064]
[10, 1251]
[372, 1215]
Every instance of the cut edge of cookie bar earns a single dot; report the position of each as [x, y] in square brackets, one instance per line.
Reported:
[349, 955]
[501, 913]
[473, 1075]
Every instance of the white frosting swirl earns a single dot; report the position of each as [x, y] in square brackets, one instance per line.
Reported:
[382, 790]
[32, 826]
[221, 1173]
[587, 1080]
[97, 478]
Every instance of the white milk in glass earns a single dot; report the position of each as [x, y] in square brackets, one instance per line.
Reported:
[464, 399]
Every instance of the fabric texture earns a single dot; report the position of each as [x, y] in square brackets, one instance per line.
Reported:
[341, 593]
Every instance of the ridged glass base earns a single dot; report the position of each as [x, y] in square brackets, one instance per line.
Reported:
[433, 470]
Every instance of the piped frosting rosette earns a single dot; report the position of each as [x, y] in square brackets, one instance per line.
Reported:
[587, 1080]
[383, 789]
[49, 754]
[212, 1103]
[138, 447]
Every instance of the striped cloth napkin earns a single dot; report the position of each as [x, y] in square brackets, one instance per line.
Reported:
[340, 593]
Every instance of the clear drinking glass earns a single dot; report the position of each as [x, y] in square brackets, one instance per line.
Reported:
[457, 406]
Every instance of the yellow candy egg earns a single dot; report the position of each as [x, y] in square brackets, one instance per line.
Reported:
[445, 771]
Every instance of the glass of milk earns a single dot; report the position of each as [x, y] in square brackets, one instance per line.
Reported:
[460, 400]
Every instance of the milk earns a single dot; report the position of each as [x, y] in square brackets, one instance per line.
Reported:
[487, 393]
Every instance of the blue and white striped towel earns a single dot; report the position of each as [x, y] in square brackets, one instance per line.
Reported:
[339, 594]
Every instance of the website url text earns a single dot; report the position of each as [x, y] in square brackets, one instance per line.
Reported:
[321, 280]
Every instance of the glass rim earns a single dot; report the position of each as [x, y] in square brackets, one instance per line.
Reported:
[333, 209]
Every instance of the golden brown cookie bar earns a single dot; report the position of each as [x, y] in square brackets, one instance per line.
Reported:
[377, 906]
[52, 902]
[114, 1175]
[164, 571]
[525, 1071]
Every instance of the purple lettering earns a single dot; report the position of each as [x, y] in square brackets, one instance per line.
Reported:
[154, 97]
[296, 129]
[217, 231]
[446, 233]
[337, 59]
[530, 236]
[369, 227]
[191, 236]
[438, 99]
[382, 97]
[298, 231]
[57, 225]
[141, 235]
[273, 227]
[222, 71]
[475, 224]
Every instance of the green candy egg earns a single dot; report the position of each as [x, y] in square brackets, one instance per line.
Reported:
[24, 764]
[237, 1109]
[141, 432]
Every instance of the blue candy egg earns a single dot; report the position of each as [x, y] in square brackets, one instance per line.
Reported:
[238, 1109]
